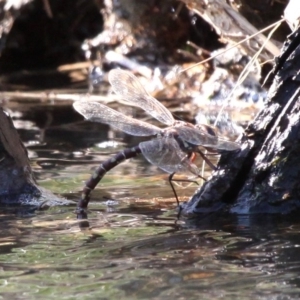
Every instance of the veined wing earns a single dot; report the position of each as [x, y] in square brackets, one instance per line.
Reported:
[97, 112]
[200, 137]
[130, 89]
[166, 154]
[227, 145]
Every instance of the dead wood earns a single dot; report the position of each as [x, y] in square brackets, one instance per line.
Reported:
[15, 172]
[264, 175]
[232, 26]
[17, 183]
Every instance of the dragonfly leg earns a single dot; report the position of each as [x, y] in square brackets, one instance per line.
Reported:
[204, 157]
[174, 191]
[175, 194]
[172, 186]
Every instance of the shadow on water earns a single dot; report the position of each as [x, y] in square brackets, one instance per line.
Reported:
[132, 248]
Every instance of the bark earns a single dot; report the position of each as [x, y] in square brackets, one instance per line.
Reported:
[17, 183]
[264, 175]
[232, 27]
[15, 171]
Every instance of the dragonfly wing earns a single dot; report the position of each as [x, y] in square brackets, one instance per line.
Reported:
[222, 144]
[227, 145]
[196, 136]
[201, 137]
[166, 154]
[131, 90]
[97, 112]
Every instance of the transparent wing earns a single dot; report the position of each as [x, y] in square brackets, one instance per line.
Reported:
[222, 144]
[97, 112]
[127, 85]
[200, 136]
[166, 154]
[227, 145]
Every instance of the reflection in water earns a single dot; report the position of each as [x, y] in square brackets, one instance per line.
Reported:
[131, 248]
[138, 256]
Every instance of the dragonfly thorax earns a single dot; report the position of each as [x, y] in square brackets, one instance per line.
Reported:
[184, 145]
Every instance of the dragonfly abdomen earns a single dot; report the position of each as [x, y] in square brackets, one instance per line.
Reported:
[102, 170]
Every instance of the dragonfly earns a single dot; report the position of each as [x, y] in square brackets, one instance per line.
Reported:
[171, 149]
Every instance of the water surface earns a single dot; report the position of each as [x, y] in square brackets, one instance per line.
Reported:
[132, 248]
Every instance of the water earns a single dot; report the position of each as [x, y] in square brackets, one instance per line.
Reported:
[133, 249]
